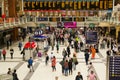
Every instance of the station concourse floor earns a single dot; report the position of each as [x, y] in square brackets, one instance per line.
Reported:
[43, 72]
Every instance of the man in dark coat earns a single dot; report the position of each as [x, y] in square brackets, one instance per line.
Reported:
[14, 74]
[86, 57]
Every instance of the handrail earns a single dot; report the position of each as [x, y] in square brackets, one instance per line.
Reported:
[22, 20]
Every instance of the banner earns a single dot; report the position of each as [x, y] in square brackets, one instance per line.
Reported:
[70, 24]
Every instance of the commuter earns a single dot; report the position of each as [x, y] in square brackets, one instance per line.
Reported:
[53, 61]
[79, 76]
[108, 52]
[86, 57]
[70, 66]
[57, 47]
[68, 51]
[14, 74]
[46, 59]
[62, 64]
[8, 44]
[75, 62]
[64, 53]
[93, 51]
[0, 54]
[66, 67]
[51, 56]
[11, 53]
[90, 67]
[4, 54]
[81, 45]
[9, 71]
[30, 64]
[115, 50]
[20, 45]
[23, 53]
[92, 76]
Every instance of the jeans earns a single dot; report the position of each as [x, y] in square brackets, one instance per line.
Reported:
[66, 71]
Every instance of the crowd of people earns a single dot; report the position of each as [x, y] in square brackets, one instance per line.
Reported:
[71, 40]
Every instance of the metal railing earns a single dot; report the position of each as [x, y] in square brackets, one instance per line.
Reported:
[22, 20]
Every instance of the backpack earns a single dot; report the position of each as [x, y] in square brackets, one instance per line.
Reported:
[47, 58]
[39, 54]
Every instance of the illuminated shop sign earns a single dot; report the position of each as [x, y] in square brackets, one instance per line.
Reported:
[68, 5]
[70, 24]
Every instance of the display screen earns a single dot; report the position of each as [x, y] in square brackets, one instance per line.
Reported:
[42, 19]
[114, 68]
[68, 5]
[54, 19]
[70, 24]
[91, 37]
[66, 19]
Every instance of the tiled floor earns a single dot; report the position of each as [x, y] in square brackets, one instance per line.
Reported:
[43, 72]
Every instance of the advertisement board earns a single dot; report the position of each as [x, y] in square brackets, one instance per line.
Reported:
[70, 24]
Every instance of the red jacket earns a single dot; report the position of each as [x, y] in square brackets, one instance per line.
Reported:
[54, 62]
[4, 51]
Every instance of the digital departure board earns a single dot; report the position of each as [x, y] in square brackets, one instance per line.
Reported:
[114, 68]
[33, 5]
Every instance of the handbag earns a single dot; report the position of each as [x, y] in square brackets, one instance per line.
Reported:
[28, 66]
[76, 62]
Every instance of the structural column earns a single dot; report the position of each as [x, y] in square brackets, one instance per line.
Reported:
[12, 8]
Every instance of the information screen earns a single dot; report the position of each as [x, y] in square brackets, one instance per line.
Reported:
[91, 37]
[68, 5]
[114, 68]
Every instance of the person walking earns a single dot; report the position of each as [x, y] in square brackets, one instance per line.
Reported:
[57, 47]
[62, 64]
[30, 64]
[70, 66]
[20, 45]
[14, 74]
[64, 53]
[4, 54]
[11, 53]
[46, 59]
[9, 71]
[86, 57]
[53, 61]
[66, 67]
[93, 51]
[92, 76]
[79, 76]
[23, 53]
[68, 50]
[74, 62]
[90, 67]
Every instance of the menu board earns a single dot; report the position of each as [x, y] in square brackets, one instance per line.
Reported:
[114, 68]
[68, 5]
